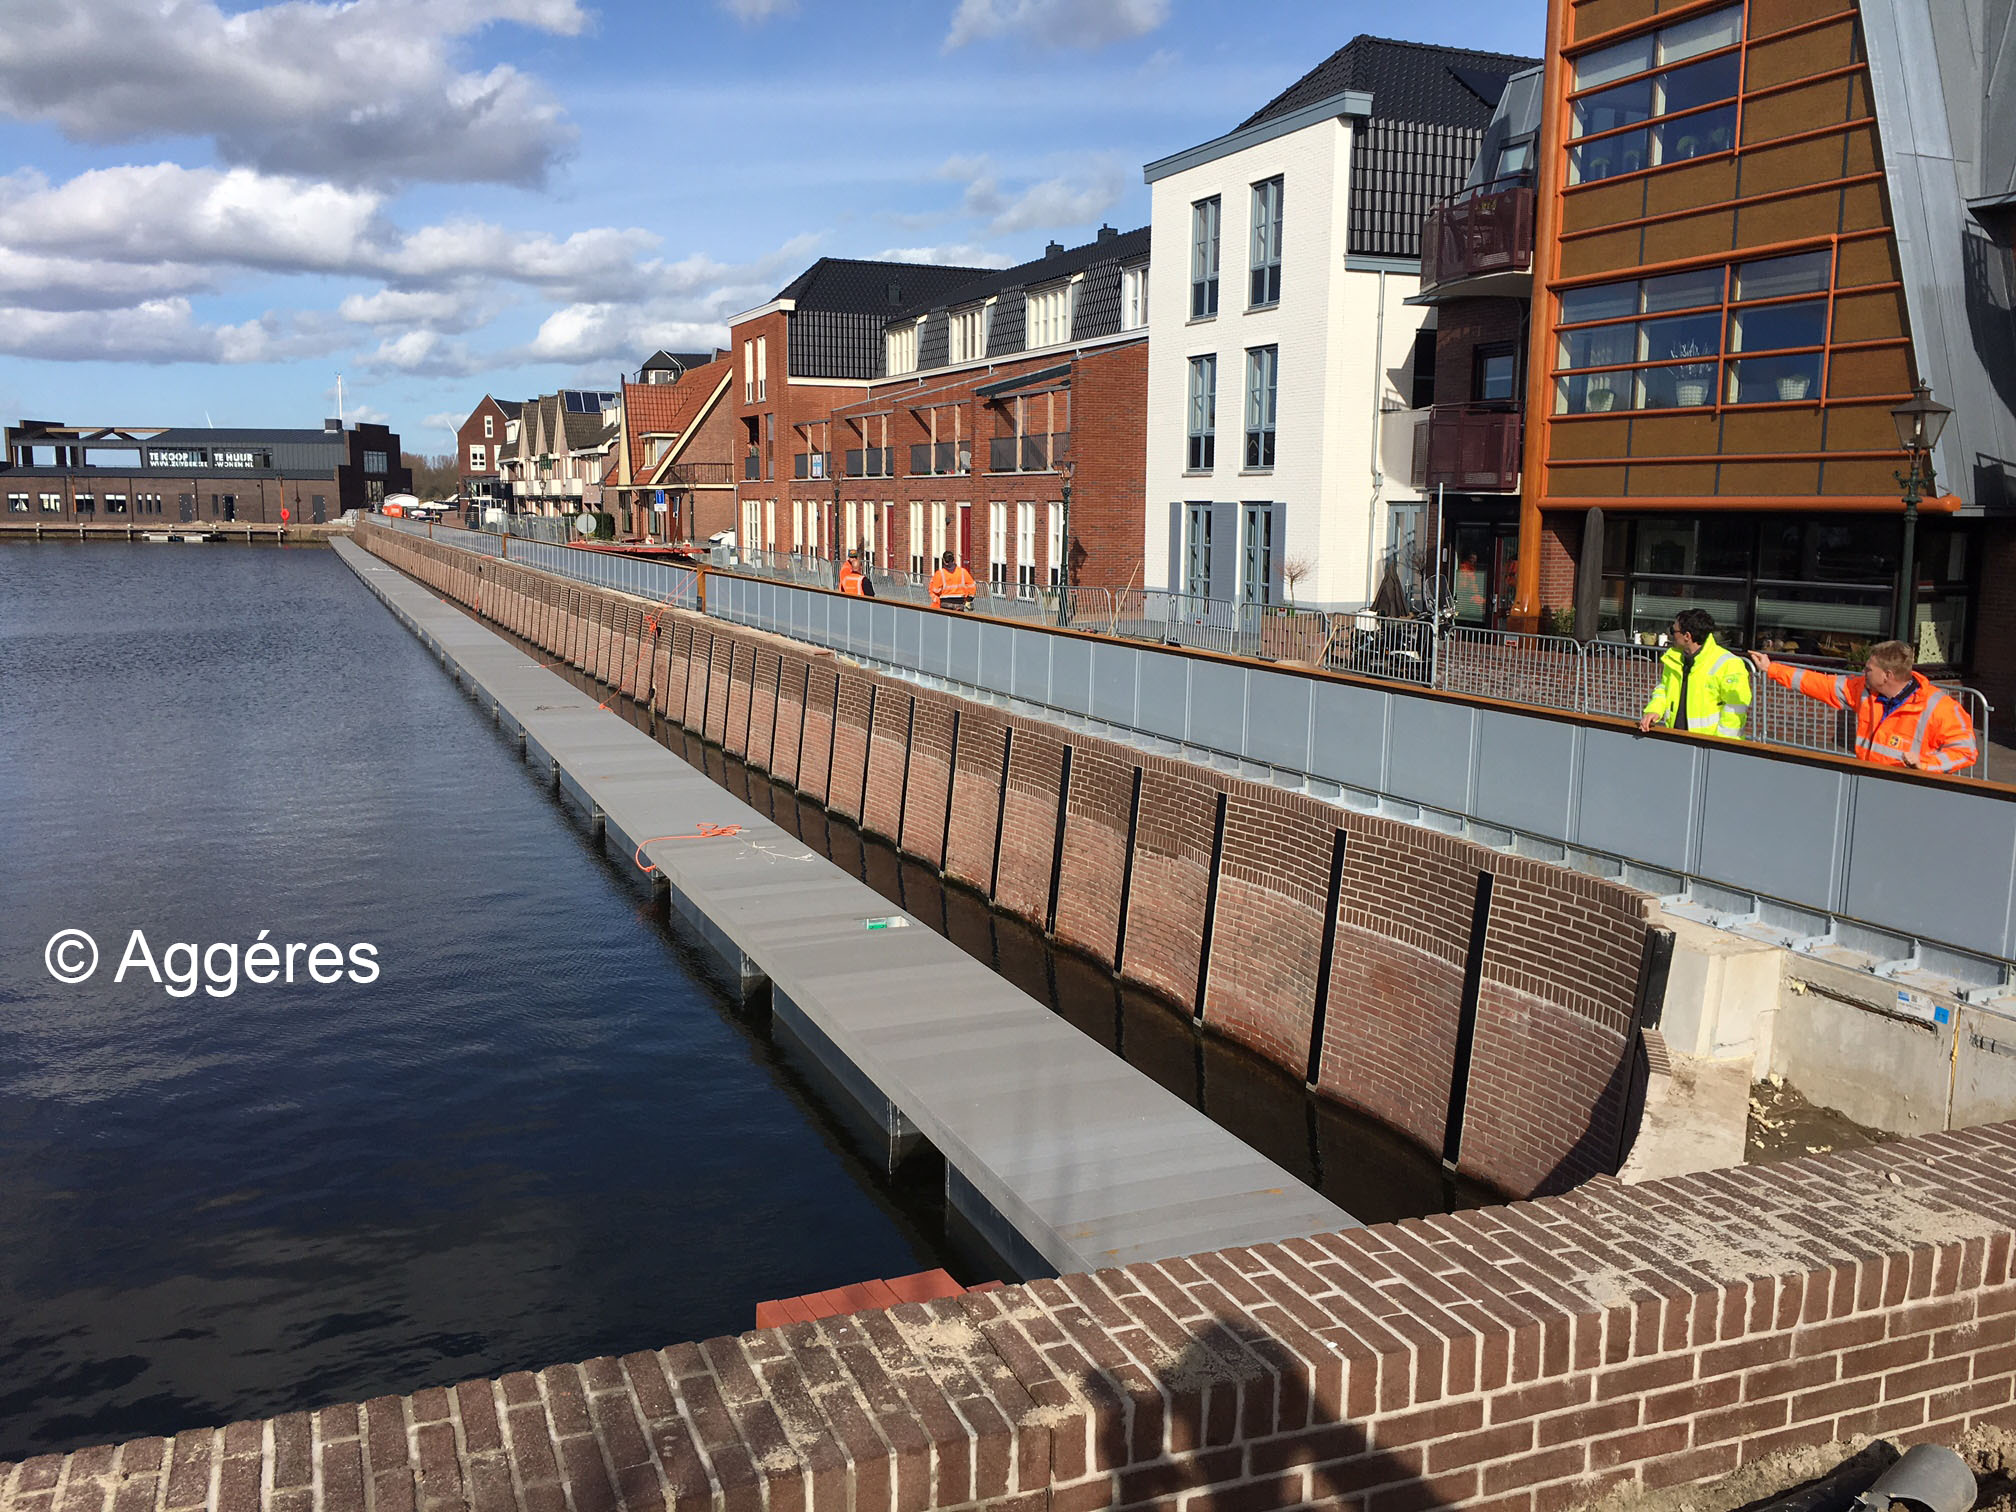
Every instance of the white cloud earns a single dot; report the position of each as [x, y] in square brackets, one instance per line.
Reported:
[621, 333]
[957, 254]
[422, 353]
[457, 309]
[67, 283]
[1056, 23]
[1072, 199]
[756, 12]
[156, 331]
[353, 90]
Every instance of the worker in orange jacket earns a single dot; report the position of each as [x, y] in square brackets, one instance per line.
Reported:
[1901, 719]
[951, 581]
[851, 576]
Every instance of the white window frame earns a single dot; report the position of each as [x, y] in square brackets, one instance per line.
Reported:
[1048, 320]
[762, 368]
[52, 503]
[937, 532]
[1205, 241]
[1025, 550]
[479, 458]
[489, 427]
[1134, 298]
[966, 332]
[748, 372]
[1264, 264]
[917, 536]
[1053, 553]
[900, 348]
[997, 542]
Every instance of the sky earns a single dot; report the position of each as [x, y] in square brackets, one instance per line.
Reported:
[215, 209]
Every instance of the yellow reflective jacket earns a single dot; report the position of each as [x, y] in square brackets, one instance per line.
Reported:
[1718, 692]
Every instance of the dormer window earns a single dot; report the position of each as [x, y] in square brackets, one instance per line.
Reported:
[900, 345]
[1049, 320]
[967, 332]
[1134, 298]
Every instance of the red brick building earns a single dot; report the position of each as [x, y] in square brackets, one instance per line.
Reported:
[908, 411]
[671, 475]
[480, 441]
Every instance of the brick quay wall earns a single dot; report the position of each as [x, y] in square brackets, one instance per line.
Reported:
[1483, 1004]
[1524, 1358]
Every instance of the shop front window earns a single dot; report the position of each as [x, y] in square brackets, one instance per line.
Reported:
[1821, 588]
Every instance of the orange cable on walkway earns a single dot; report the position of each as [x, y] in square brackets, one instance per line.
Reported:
[704, 832]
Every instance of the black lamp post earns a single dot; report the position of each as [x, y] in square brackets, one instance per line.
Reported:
[1919, 419]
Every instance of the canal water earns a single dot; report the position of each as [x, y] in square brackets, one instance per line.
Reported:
[538, 1135]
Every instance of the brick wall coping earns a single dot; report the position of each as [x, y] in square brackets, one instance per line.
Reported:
[1524, 1357]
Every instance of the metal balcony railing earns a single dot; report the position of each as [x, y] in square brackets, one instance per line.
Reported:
[1485, 229]
[871, 462]
[699, 474]
[1039, 453]
[941, 459]
[1472, 447]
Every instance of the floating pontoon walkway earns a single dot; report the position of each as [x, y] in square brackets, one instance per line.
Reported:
[1061, 1154]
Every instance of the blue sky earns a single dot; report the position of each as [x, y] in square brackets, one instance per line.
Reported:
[216, 209]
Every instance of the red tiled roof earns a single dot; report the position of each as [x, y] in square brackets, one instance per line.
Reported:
[659, 409]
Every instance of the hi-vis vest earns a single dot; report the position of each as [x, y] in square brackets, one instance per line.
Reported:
[1718, 692]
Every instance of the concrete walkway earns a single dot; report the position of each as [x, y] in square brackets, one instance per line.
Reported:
[1059, 1152]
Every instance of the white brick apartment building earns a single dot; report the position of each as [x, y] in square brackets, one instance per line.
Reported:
[1279, 333]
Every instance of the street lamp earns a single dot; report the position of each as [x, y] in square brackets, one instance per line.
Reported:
[1919, 419]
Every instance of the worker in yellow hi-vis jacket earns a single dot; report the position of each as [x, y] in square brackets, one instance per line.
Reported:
[1704, 688]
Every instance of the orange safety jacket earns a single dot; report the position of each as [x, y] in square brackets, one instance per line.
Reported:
[850, 580]
[1929, 729]
[957, 583]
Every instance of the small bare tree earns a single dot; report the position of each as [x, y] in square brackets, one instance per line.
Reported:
[1293, 570]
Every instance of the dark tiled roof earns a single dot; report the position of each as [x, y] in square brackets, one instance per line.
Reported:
[511, 407]
[847, 285]
[1408, 81]
[683, 361]
[1122, 246]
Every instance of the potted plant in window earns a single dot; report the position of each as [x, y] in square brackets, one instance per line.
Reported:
[1793, 386]
[1690, 379]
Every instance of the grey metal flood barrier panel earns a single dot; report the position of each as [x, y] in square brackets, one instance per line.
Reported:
[1928, 862]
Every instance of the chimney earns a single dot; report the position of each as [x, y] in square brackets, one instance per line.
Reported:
[1055, 249]
[1107, 233]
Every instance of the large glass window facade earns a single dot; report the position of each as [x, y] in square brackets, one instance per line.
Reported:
[1661, 97]
[1810, 586]
[1744, 333]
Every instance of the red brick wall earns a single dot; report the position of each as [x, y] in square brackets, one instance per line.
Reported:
[977, 768]
[1521, 1359]
[1558, 965]
[1267, 936]
[926, 801]
[1560, 550]
[850, 746]
[1109, 495]
[1172, 876]
[1029, 821]
[763, 707]
[886, 754]
[1463, 325]
[1095, 851]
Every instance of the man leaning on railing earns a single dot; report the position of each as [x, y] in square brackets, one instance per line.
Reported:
[1901, 719]
[1703, 686]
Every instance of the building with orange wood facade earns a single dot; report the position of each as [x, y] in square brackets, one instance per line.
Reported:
[1757, 226]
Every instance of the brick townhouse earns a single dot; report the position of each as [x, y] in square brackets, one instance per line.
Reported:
[1006, 408]
[554, 462]
[1758, 226]
[818, 344]
[671, 475]
[480, 444]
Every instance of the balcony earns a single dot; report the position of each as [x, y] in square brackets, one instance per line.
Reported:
[812, 465]
[752, 466]
[871, 462]
[942, 459]
[1009, 454]
[1479, 243]
[1469, 447]
[699, 475]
